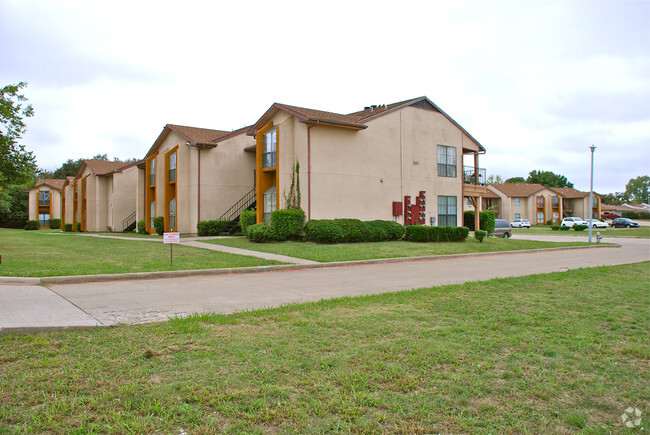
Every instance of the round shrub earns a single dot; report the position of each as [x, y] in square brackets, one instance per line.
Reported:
[211, 228]
[480, 235]
[565, 228]
[417, 233]
[555, 227]
[323, 231]
[353, 230]
[55, 223]
[260, 233]
[580, 227]
[78, 225]
[159, 225]
[31, 225]
[246, 219]
[142, 228]
[67, 228]
[287, 223]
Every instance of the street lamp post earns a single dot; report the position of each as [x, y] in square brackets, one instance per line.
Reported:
[591, 193]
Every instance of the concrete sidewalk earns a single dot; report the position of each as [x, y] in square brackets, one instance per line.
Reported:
[28, 308]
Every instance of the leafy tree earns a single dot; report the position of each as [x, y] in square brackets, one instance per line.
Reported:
[616, 198]
[548, 179]
[17, 165]
[637, 189]
[494, 179]
[14, 205]
[515, 180]
[68, 169]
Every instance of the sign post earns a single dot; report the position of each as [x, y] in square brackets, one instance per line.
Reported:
[171, 238]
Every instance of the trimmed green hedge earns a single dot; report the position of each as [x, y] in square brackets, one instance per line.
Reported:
[246, 219]
[480, 235]
[31, 225]
[78, 226]
[352, 231]
[635, 215]
[421, 233]
[555, 227]
[287, 223]
[577, 227]
[142, 227]
[211, 228]
[486, 217]
[564, 228]
[67, 228]
[159, 225]
[55, 224]
[260, 233]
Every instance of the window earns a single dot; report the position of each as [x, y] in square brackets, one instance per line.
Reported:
[556, 201]
[270, 199]
[172, 167]
[446, 161]
[43, 219]
[540, 202]
[517, 202]
[447, 211]
[540, 217]
[43, 197]
[152, 213]
[172, 214]
[517, 216]
[152, 172]
[268, 157]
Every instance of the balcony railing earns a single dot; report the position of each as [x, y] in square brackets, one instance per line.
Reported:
[44, 201]
[470, 176]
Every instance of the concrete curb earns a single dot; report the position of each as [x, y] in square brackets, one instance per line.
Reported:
[78, 279]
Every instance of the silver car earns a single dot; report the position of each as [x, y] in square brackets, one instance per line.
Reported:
[502, 229]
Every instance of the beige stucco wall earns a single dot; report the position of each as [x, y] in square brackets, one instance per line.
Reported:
[122, 193]
[359, 174]
[226, 176]
[55, 202]
[69, 204]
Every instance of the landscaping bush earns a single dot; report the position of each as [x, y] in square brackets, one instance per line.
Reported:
[580, 227]
[67, 228]
[260, 233]
[31, 225]
[555, 227]
[354, 230]
[486, 217]
[565, 228]
[419, 233]
[55, 224]
[78, 226]
[480, 235]
[635, 215]
[142, 227]
[388, 230]
[246, 219]
[159, 225]
[287, 223]
[549, 222]
[211, 228]
[323, 231]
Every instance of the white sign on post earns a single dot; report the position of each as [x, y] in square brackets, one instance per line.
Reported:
[171, 238]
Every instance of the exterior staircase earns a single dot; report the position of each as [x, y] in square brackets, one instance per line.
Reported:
[247, 202]
[129, 223]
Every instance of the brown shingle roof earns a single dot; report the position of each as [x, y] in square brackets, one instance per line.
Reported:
[52, 182]
[198, 135]
[102, 167]
[518, 190]
[569, 192]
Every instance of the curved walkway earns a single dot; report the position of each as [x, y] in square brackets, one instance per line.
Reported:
[25, 308]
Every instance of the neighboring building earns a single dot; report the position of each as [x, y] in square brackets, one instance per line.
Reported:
[45, 201]
[399, 162]
[175, 187]
[540, 204]
[103, 196]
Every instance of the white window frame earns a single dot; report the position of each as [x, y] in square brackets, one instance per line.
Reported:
[447, 161]
[445, 205]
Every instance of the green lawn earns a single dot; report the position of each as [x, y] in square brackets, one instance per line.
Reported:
[395, 249]
[561, 353]
[609, 232]
[53, 253]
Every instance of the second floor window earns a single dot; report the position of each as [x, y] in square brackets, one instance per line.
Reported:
[268, 157]
[152, 172]
[172, 167]
[556, 201]
[43, 197]
[540, 202]
[446, 161]
[517, 202]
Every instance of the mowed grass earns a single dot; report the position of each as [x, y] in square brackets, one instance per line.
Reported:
[643, 231]
[558, 353]
[393, 249]
[42, 253]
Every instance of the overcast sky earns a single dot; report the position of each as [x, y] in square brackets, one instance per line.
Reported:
[536, 83]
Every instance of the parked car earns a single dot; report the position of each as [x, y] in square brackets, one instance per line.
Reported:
[502, 229]
[571, 221]
[610, 215]
[595, 223]
[520, 223]
[624, 223]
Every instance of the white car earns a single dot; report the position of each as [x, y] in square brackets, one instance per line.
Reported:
[597, 224]
[571, 221]
[520, 223]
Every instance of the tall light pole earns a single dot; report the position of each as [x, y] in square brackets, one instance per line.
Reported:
[591, 193]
